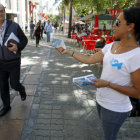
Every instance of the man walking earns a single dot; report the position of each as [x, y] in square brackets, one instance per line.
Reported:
[12, 42]
[48, 28]
[32, 25]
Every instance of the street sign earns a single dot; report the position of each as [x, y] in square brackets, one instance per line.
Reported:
[115, 12]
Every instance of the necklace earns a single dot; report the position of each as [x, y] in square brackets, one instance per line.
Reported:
[117, 48]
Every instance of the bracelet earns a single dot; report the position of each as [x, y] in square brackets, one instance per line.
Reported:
[72, 53]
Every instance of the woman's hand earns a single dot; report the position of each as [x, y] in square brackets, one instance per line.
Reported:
[101, 83]
[63, 51]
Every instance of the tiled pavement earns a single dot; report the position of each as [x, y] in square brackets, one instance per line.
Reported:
[55, 109]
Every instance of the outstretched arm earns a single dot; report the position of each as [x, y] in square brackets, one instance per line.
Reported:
[97, 57]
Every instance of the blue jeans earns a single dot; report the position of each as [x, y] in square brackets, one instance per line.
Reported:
[48, 36]
[31, 33]
[111, 121]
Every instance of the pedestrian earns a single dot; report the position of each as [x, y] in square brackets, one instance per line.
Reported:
[10, 59]
[42, 29]
[60, 26]
[32, 25]
[48, 28]
[26, 27]
[104, 29]
[120, 76]
[37, 33]
[73, 27]
[86, 28]
[77, 27]
[55, 26]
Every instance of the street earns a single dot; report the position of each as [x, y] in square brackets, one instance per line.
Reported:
[55, 109]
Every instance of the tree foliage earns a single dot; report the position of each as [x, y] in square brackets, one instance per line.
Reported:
[53, 18]
[98, 6]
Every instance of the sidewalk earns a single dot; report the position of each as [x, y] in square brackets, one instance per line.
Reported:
[55, 109]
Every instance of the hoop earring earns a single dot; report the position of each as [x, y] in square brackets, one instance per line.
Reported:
[129, 36]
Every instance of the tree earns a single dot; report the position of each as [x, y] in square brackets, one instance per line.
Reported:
[100, 5]
[65, 3]
[70, 20]
[54, 18]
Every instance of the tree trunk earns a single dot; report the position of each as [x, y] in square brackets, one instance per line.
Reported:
[137, 3]
[64, 19]
[70, 20]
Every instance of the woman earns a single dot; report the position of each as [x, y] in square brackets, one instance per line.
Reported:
[37, 33]
[121, 72]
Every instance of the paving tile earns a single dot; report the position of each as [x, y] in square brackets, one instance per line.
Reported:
[11, 129]
[32, 79]
[36, 69]
[30, 89]
[20, 109]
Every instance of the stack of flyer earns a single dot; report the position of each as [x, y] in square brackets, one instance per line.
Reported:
[84, 80]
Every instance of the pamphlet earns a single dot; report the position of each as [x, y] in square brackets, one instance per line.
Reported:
[84, 80]
[12, 36]
[58, 44]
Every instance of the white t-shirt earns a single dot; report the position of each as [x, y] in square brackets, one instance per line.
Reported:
[117, 69]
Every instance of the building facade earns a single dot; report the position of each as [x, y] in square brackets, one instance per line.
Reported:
[15, 11]
[137, 3]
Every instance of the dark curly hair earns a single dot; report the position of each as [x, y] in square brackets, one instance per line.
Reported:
[132, 15]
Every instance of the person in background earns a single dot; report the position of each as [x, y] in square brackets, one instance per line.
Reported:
[44, 23]
[84, 34]
[104, 29]
[55, 26]
[42, 29]
[73, 27]
[32, 25]
[86, 28]
[10, 59]
[120, 78]
[37, 33]
[60, 26]
[48, 28]
[100, 43]
[26, 27]
[77, 27]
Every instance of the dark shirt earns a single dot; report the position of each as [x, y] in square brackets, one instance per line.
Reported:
[38, 31]
[32, 26]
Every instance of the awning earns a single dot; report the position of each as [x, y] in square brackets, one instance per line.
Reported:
[11, 12]
[105, 17]
[87, 17]
[100, 17]
[15, 15]
[80, 22]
